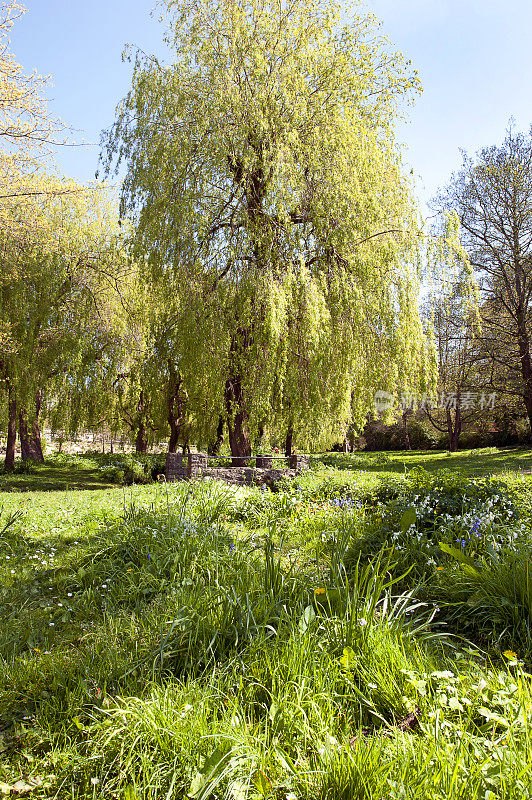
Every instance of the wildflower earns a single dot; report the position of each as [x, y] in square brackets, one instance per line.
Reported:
[319, 591]
[231, 546]
[510, 654]
[439, 567]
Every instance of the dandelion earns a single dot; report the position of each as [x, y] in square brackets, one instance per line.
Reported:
[320, 591]
[510, 654]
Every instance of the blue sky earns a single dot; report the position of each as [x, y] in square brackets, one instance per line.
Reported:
[474, 58]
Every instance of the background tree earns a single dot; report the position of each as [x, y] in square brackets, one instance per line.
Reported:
[59, 277]
[262, 173]
[27, 130]
[492, 196]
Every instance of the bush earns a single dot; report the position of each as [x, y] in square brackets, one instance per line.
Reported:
[129, 468]
[378, 436]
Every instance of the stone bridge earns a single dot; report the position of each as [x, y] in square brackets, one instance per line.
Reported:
[256, 469]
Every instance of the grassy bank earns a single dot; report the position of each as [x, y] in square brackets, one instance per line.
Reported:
[362, 633]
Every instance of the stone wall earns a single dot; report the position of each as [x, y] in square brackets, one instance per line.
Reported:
[180, 467]
[176, 467]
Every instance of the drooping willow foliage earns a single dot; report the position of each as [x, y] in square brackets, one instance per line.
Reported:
[265, 186]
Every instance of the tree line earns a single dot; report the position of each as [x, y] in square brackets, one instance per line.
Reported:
[260, 277]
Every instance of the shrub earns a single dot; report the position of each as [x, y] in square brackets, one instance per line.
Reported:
[378, 436]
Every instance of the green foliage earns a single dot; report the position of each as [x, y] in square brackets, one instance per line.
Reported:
[308, 243]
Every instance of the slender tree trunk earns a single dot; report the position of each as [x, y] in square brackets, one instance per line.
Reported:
[9, 462]
[175, 413]
[405, 429]
[215, 447]
[237, 416]
[141, 439]
[289, 441]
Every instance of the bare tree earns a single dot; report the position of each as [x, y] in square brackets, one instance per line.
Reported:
[492, 196]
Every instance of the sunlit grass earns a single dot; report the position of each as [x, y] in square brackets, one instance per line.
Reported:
[196, 640]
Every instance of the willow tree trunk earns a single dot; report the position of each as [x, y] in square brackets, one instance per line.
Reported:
[289, 441]
[30, 433]
[235, 406]
[141, 439]
[215, 447]
[9, 462]
[175, 413]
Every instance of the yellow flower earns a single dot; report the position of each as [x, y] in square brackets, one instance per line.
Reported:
[319, 591]
[439, 567]
[510, 654]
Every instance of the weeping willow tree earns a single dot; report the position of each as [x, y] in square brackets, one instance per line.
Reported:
[61, 272]
[265, 184]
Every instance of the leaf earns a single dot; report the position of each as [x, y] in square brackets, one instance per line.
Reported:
[455, 704]
[458, 555]
[212, 766]
[348, 659]
[409, 518]
[130, 793]
[262, 783]
[24, 786]
[491, 717]
[307, 618]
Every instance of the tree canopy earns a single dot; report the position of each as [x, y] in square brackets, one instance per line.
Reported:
[266, 189]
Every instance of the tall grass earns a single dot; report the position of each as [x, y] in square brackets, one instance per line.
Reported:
[169, 651]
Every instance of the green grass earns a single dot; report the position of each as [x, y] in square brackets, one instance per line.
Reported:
[62, 472]
[199, 641]
[487, 461]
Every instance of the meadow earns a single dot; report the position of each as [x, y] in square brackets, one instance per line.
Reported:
[363, 632]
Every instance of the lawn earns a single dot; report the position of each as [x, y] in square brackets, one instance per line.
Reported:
[364, 632]
[92, 470]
